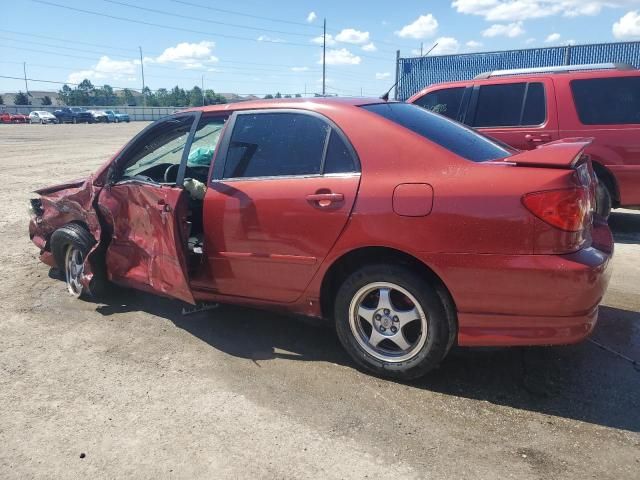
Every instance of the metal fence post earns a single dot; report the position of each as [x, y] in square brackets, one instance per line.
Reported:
[395, 91]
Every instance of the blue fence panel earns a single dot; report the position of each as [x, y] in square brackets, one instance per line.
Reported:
[419, 72]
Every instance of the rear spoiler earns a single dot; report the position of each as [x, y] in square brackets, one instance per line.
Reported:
[565, 153]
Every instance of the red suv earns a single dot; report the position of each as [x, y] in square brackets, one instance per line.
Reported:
[529, 107]
[408, 230]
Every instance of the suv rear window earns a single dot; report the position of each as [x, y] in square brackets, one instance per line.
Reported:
[453, 136]
[607, 101]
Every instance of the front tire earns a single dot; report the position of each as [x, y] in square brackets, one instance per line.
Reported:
[391, 321]
[70, 246]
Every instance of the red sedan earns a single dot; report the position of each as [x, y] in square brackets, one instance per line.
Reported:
[410, 231]
[6, 117]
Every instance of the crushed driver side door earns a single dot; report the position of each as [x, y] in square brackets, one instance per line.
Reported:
[144, 206]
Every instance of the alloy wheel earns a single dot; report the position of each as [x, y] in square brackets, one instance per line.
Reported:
[388, 322]
[73, 269]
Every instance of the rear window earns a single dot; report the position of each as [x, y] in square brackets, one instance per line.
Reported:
[607, 101]
[453, 136]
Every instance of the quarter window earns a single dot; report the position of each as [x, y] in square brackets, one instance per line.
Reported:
[339, 158]
[445, 102]
[510, 105]
[607, 101]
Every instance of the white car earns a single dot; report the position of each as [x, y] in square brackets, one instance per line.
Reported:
[40, 116]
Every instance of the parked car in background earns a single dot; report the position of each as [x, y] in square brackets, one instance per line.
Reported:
[6, 117]
[41, 116]
[73, 115]
[410, 231]
[99, 116]
[115, 116]
[528, 108]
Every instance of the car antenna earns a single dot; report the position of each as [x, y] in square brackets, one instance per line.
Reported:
[385, 96]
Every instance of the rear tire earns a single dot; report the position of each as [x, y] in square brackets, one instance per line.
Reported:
[70, 246]
[604, 200]
[391, 321]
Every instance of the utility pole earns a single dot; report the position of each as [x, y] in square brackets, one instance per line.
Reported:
[26, 85]
[324, 58]
[202, 83]
[144, 96]
[421, 47]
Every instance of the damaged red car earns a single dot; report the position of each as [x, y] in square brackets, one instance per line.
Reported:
[408, 230]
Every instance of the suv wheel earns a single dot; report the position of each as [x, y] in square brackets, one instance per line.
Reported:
[391, 321]
[603, 200]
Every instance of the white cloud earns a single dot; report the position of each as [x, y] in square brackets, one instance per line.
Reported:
[312, 17]
[187, 53]
[529, 41]
[510, 30]
[552, 38]
[299, 69]
[473, 44]
[330, 40]
[383, 76]
[515, 10]
[446, 46]
[424, 26]
[628, 27]
[106, 68]
[351, 35]
[369, 47]
[266, 38]
[341, 56]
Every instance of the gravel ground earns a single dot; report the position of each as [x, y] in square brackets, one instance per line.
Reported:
[133, 389]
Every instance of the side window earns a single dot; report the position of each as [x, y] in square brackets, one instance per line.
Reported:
[499, 105]
[510, 105]
[276, 144]
[445, 102]
[339, 158]
[535, 105]
[158, 149]
[205, 141]
[607, 101]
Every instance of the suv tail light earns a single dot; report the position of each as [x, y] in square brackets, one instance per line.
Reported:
[567, 209]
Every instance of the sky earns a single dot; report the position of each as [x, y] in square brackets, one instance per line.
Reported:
[258, 47]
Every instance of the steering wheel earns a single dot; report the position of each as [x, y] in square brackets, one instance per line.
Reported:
[166, 172]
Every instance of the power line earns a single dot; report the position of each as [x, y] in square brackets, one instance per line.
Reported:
[169, 27]
[58, 39]
[270, 19]
[205, 20]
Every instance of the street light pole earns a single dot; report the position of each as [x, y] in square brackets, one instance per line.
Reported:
[324, 58]
[144, 97]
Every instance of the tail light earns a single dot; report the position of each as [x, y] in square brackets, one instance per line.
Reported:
[567, 209]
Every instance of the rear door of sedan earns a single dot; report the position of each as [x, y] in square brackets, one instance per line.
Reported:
[283, 186]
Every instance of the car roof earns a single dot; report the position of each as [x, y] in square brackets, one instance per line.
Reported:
[295, 103]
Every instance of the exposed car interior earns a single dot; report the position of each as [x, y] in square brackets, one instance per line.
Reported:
[156, 157]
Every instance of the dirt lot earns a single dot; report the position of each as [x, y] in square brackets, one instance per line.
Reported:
[133, 389]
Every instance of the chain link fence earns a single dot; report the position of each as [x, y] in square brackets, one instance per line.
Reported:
[416, 73]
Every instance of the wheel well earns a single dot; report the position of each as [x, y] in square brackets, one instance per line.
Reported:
[609, 180]
[351, 261]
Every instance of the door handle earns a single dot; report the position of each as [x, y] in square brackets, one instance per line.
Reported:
[540, 138]
[325, 200]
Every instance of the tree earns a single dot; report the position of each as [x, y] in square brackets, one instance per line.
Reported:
[268, 96]
[21, 99]
[287, 96]
[129, 99]
[278, 95]
[195, 97]
[298, 95]
[149, 97]
[46, 100]
[64, 94]
[1, 100]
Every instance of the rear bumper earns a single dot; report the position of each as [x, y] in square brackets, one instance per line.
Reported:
[507, 300]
